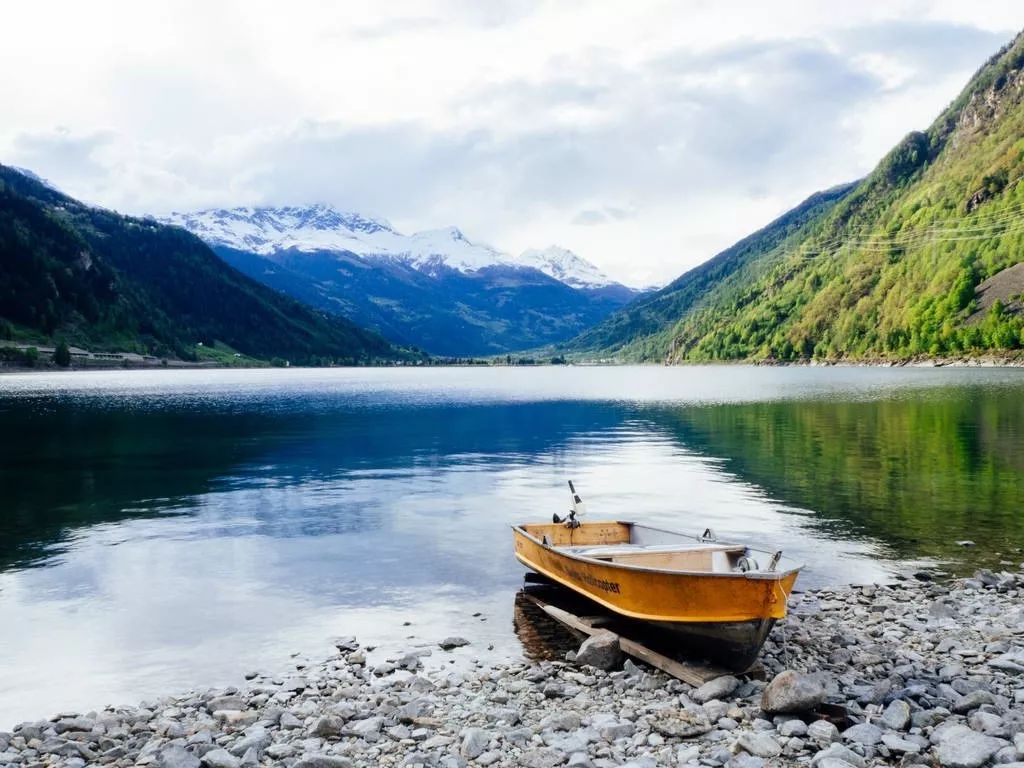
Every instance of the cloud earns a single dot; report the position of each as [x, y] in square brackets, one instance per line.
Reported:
[593, 216]
[76, 156]
[920, 47]
[643, 140]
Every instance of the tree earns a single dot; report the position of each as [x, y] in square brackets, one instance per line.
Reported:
[30, 356]
[62, 354]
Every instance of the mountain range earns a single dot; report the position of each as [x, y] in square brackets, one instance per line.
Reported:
[111, 282]
[920, 258]
[434, 290]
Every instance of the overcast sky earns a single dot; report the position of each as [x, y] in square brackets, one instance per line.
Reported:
[646, 136]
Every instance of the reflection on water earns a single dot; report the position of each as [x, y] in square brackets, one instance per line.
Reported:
[915, 474]
[542, 638]
[168, 529]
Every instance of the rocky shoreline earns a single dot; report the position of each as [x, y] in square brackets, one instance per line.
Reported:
[922, 673]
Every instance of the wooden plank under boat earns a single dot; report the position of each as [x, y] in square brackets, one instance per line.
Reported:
[720, 600]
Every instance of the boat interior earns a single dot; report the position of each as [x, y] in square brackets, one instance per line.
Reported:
[634, 545]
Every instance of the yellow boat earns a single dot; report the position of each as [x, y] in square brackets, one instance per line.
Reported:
[719, 599]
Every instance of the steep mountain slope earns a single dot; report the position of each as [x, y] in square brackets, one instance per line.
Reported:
[639, 330]
[435, 290]
[112, 282]
[909, 263]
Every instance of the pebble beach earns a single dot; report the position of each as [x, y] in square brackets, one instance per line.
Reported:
[925, 672]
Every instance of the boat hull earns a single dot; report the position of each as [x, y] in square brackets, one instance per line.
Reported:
[734, 644]
[726, 616]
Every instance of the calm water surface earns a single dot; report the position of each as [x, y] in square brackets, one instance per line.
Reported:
[164, 530]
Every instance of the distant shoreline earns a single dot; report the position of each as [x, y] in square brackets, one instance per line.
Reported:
[922, 362]
[180, 365]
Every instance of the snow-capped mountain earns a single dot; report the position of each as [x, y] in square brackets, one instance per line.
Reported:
[435, 289]
[565, 266]
[266, 230]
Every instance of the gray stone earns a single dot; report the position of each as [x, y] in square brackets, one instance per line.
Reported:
[295, 684]
[346, 643]
[896, 716]
[718, 688]
[474, 742]
[561, 721]
[680, 723]
[541, 758]
[973, 700]
[250, 759]
[833, 762]
[759, 744]
[616, 731]
[899, 744]
[328, 726]
[322, 761]
[280, 751]
[745, 760]
[580, 760]
[986, 722]
[419, 707]
[839, 752]
[822, 731]
[289, 721]
[791, 691]
[410, 662]
[257, 740]
[219, 758]
[863, 733]
[960, 747]
[452, 642]
[600, 650]
[177, 757]
[794, 727]
[74, 724]
[219, 703]
[365, 728]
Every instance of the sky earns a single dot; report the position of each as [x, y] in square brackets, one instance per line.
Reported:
[646, 136]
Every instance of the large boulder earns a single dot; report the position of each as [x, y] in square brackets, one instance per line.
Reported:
[791, 691]
[600, 650]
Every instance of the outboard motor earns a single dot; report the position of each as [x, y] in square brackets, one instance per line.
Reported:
[576, 507]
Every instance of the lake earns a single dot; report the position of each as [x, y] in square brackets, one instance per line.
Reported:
[161, 530]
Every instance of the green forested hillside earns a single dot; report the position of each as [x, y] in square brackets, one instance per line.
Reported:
[640, 328]
[913, 261]
[106, 281]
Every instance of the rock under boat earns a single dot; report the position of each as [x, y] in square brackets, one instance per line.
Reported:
[716, 598]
